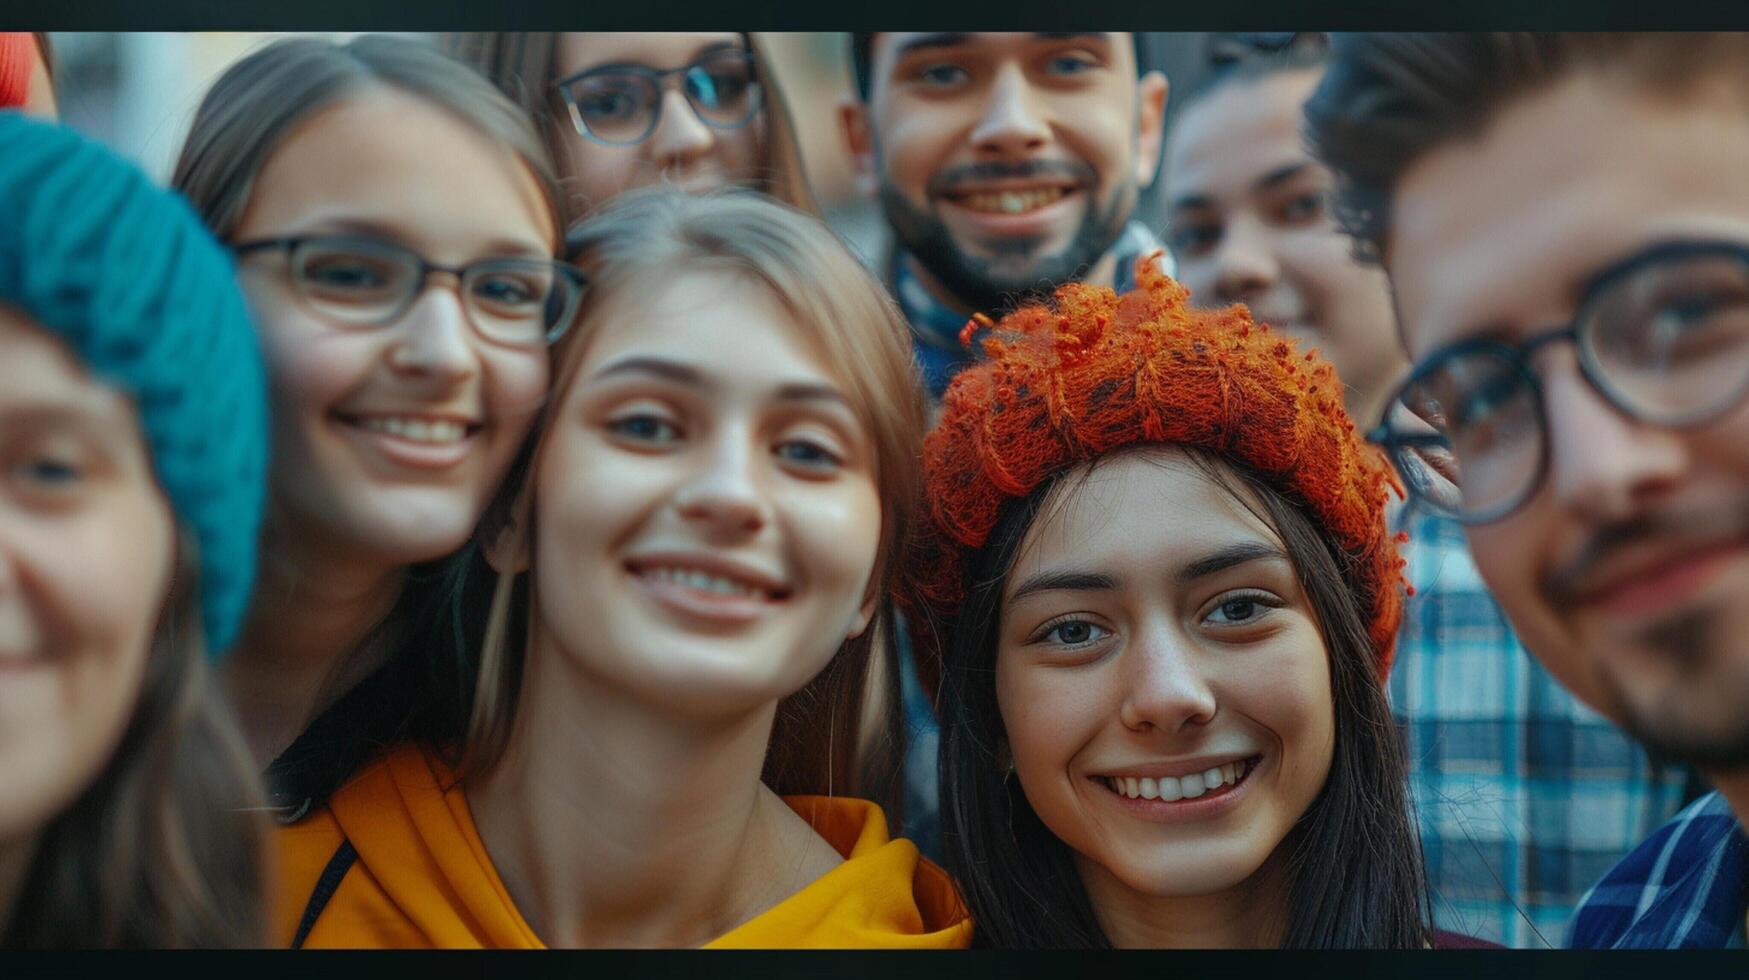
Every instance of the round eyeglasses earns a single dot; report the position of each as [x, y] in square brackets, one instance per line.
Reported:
[1663, 337]
[621, 105]
[355, 281]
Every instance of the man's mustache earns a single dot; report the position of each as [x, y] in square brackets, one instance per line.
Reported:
[1568, 580]
[947, 181]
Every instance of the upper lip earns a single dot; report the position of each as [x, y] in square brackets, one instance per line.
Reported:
[1587, 581]
[1176, 767]
[712, 564]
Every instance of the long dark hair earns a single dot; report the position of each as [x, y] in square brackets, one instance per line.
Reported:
[165, 848]
[1353, 860]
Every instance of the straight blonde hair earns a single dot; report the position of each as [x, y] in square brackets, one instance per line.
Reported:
[640, 241]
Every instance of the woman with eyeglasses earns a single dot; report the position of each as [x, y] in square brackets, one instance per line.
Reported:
[691, 568]
[625, 110]
[395, 227]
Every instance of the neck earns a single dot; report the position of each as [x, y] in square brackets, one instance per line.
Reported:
[1733, 785]
[1249, 915]
[1103, 273]
[299, 649]
[683, 841]
[15, 859]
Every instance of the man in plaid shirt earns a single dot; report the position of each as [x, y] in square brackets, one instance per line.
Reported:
[1524, 798]
[1565, 223]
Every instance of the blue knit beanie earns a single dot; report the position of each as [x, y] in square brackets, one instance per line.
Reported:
[125, 274]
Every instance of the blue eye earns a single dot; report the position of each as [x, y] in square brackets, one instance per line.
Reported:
[1242, 609]
[943, 75]
[50, 472]
[1073, 633]
[808, 454]
[645, 428]
[1070, 65]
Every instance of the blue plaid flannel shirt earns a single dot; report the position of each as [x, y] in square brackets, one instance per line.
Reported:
[935, 327]
[1525, 796]
[1685, 888]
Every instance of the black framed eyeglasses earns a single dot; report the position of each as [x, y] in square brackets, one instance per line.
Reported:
[1663, 337]
[621, 105]
[361, 281]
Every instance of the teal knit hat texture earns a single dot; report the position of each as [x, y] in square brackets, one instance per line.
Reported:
[124, 273]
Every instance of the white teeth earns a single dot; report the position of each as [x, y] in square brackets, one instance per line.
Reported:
[703, 581]
[416, 430]
[1170, 788]
[1013, 202]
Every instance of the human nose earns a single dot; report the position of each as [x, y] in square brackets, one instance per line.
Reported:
[723, 494]
[1245, 265]
[680, 136]
[1604, 465]
[1010, 125]
[1166, 688]
[435, 338]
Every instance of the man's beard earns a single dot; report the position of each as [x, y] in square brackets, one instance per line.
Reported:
[1701, 715]
[1702, 719]
[1013, 273]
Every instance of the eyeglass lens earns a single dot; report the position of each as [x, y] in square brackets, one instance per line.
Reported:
[511, 300]
[1667, 344]
[621, 106]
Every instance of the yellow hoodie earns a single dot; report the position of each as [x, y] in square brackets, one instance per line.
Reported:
[422, 878]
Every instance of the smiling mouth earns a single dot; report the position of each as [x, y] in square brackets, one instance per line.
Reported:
[425, 430]
[710, 583]
[1015, 201]
[1214, 781]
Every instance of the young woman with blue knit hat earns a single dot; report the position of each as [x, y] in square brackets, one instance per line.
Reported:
[133, 454]
[395, 225]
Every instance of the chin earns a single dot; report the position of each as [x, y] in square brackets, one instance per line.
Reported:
[408, 527]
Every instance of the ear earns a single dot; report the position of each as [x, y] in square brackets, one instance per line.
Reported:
[1150, 125]
[859, 143]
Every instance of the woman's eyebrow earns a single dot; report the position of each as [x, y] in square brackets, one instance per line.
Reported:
[1063, 580]
[1229, 557]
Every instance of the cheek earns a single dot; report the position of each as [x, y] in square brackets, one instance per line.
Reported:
[836, 531]
[738, 150]
[313, 369]
[1047, 714]
[603, 172]
[913, 147]
[515, 387]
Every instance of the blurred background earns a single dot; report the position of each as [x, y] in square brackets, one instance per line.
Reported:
[137, 91]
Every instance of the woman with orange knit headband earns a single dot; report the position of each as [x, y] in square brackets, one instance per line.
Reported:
[1158, 586]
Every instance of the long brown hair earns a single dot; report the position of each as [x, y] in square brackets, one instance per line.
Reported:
[165, 849]
[636, 243]
[242, 121]
[524, 67]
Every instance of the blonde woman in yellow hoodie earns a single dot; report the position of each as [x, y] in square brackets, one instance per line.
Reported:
[691, 561]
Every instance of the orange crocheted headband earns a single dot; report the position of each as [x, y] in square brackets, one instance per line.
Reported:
[1099, 372]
